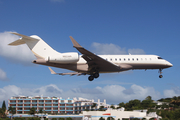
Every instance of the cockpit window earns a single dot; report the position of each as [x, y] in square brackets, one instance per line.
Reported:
[160, 58]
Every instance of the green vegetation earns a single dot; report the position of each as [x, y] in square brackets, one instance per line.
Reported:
[138, 105]
[12, 111]
[69, 118]
[61, 119]
[5, 119]
[21, 118]
[169, 110]
[4, 105]
[101, 118]
[101, 108]
[110, 118]
[32, 111]
[34, 118]
[54, 118]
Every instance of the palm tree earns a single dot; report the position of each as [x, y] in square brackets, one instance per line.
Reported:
[12, 111]
[41, 111]
[32, 111]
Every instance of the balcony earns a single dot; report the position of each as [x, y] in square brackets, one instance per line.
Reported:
[27, 106]
[40, 106]
[47, 110]
[41, 102]
[27, 103]
[19, 102]
[54, 110]
[69, 110]
[48, 106]
[34, 102]
[48, 102]
[62, 106]
[26, 110]
[19, 106]
[19, 110]
[12, 103]
[69, 106]
[62, 110]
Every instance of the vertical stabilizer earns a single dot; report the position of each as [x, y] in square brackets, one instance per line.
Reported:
[39, 48]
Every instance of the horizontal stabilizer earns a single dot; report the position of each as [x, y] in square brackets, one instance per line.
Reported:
[22, 40]
[17, 42]
[71, 73]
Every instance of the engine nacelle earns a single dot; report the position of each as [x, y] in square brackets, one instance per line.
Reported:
[70, 57]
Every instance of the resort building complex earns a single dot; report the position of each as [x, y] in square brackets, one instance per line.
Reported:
[53, 105]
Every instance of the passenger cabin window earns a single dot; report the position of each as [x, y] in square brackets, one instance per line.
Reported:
[111, 59]
[160, 58]
[133, 59]
[115, 59]
[124, 59]
[119, 59]
[137, 58]
[128, 59]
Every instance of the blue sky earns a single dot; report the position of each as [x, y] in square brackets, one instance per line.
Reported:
[101, 26]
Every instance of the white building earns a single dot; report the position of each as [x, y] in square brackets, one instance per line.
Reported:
[52, 105]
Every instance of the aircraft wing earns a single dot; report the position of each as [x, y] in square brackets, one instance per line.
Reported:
[94, 60]
[71, 73]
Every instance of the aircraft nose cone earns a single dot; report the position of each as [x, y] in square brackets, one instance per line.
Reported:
[169, 64]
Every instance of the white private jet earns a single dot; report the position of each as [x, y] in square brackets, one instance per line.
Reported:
[88, 62]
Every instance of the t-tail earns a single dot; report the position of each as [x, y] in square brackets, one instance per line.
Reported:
[43, 51]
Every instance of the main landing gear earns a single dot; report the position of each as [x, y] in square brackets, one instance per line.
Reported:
[160, 71]
[95, 75]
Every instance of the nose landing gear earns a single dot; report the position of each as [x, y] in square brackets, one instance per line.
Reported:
[160, 71]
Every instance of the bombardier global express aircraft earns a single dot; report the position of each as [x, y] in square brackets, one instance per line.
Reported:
[88, 62]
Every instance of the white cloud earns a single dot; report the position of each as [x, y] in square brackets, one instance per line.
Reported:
[172, 92]
[112, 93]
[18, 54]
[48, 90]
[108, 49]
[114, 49]
[3, 75]
[9, 91]
[136, 51]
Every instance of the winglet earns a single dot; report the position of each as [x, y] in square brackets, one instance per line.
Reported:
[52, 71]
[75, 43]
